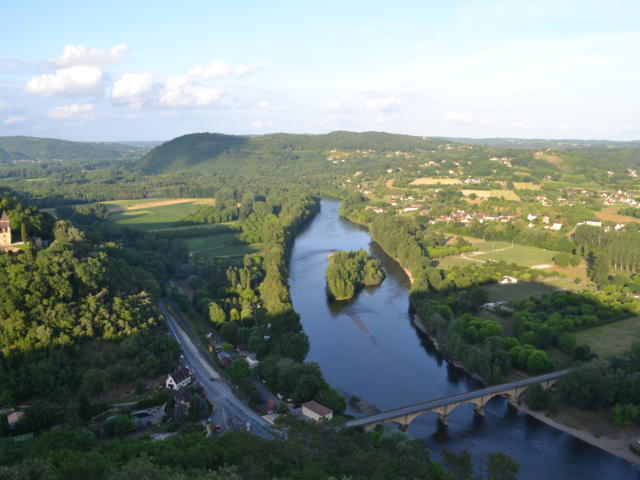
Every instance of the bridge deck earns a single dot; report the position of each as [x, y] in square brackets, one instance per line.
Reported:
[460, 397]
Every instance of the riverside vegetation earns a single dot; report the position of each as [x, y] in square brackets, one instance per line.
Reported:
[79, 317]
[349, 272]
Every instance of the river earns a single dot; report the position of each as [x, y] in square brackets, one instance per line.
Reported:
[369, 348]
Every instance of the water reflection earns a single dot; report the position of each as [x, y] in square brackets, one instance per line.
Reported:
[368, 347]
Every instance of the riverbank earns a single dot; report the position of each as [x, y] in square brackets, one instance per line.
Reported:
[615, 446]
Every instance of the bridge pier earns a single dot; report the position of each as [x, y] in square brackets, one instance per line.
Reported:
[443, 419]
[479, 410]
[404, 427]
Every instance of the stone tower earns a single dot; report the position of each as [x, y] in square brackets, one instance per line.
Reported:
[5, 230]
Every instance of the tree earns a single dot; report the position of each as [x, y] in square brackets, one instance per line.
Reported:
[537, 397]
[459, 465]
[501, 467]
[216, 313]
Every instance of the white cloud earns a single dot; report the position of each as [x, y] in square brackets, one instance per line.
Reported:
[79, 55]
[12, 120]
[261, 124]
[130, 86]
[217, 68]
[67, 111]
[382, 104]
[180, 91]
[458, 117]
[250, 68]
[66, 82]
[263, 104]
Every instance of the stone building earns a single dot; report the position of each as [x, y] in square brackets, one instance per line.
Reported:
[5, 230]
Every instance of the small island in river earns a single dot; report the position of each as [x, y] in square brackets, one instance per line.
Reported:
[349, 272]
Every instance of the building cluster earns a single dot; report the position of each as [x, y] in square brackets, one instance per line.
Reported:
[619, 197]
[460, 216]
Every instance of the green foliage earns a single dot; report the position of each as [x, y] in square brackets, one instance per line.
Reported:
[501, 467]
[348, 272]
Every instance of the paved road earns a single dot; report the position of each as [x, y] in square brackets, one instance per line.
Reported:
[460, 397]
[230, 412]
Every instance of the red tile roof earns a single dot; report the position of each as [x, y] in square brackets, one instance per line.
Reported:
[317, 408]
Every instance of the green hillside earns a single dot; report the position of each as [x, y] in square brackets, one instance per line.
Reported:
[290, 152]
[32, 148]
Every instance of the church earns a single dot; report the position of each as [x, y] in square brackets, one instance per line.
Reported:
[5, 230]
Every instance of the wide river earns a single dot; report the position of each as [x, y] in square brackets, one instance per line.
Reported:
[369, 348]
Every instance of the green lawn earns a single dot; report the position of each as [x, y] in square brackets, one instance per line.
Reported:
[518, 291]
[612, 338]
[519, 254]
[220, 245]
[153, 218]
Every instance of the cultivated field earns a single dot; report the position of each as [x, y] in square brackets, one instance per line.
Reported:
[153, 218]
[435, 181]
[490, 250]
[518, 291]
[220, 245]
[506, 194]
[552, 159]
[612, 338]
[526, 186]
[610, 214]
[137, 204]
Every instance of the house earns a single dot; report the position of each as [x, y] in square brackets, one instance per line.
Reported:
[556, 227]
[178, 379]
[14, 417]
[506, 280]
[316, 411]
[591, 223]
[492, 306]
[242, 350]
[545, 219]
[619, 226]
[531, 217]
[252, 360]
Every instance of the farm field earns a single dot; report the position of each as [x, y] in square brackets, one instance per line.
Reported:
[435, 181]
[518, 291]
[136, 204]
[153, 218]
[526, 186]
[506, 194]
[610, 214]
[497, 250]
[220, 245]
[519, 254]
[612, 338]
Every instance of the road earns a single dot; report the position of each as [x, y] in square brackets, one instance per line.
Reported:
[229, 411]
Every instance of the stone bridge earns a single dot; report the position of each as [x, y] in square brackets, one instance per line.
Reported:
[443, 406]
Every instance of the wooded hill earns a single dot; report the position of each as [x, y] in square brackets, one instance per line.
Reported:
[209, 151]
[45, 149]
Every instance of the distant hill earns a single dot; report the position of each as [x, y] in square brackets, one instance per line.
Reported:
[541, 143]
[46, 149]
[215, 151]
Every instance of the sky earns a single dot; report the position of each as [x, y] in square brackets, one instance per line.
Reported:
[154, 70]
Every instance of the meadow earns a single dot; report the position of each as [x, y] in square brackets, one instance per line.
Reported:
[612, 338]
[435, 181]
[518, 291]
[219, 245]
[610, 214]
[153, 218]
[506, 194]
[505, 251]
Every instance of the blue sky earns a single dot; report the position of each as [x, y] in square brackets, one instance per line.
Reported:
[154, 70]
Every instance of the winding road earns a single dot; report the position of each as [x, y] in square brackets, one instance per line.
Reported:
[229, 411]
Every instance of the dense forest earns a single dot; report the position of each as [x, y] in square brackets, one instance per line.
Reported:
[348, 272]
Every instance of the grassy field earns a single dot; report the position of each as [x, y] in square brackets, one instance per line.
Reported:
[153, 218]
[612, 338]
[518, 291]
[506, 194]
[610, 214]
[435, 181]
[521, 255]
[526, 186]
[220, 245]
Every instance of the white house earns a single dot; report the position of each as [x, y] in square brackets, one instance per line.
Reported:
[316, 411]
[531, 217]
[252, 360]
[178, 379]
[556, 227]
[506, 280]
